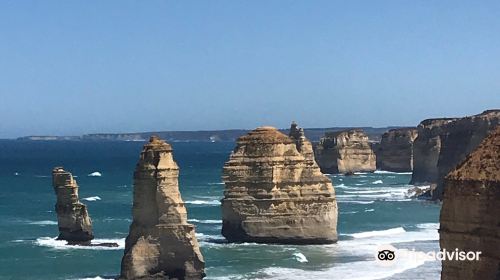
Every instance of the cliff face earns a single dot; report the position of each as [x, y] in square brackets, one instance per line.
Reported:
[395, 152]
[426, 149]
[161, 243]
[275, 192]
[345, 152]
[73, 219]
[443, 143]
[470, 215]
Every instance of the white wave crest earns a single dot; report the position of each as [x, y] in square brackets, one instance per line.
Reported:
[203, 202]
[300, 257]
[390, 231]
[92, 198]
[378, 182]
[369, 210]
[205, 221]
[53, 243]
[43, 223]
[390, 172]
[95, 174]
[358, 201]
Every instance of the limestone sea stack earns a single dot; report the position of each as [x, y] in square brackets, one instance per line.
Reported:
[275, 192]
[161, 243]
[395, 152]
[470, 215]
[345, 152]
[442, 144]
[73, 219]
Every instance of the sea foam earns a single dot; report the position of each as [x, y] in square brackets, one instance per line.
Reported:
[92, 198]
[95, 174]
[53, 243]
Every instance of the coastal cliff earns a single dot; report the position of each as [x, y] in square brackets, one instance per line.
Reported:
[345, 152]
[73, 219]
[443, 143]
[395, 152]
[470, 215]
[161, 243]
[275, 192]
[426, 149]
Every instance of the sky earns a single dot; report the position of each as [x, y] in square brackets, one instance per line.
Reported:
[76, 67]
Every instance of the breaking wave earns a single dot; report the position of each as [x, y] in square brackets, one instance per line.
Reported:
[53, 243]
[92, 198]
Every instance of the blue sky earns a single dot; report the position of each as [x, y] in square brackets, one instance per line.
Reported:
[74, 67]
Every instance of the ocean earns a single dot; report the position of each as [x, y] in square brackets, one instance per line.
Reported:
[373, 210]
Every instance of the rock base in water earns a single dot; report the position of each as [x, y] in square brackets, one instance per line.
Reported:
[275, 192]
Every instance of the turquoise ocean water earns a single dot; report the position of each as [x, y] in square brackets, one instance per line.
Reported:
[373, 210]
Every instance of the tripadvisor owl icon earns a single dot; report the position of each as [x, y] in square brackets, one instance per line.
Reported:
[385, 255]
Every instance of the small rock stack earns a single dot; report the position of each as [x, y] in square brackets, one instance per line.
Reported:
[73, 219]
[275, 192]
[345, 152]
[161, 243]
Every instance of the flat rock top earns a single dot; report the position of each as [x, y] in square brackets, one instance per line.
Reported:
[265, 134]
[483, 164]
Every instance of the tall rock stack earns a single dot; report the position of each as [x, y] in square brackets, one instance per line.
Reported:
[275, 193]
[73, 219]
[470, 215]
[395, 152]
[161, 243]
[345, 152]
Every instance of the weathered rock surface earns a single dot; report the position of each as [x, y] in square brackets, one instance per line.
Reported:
[395, 152]
[470, 215]
[275, 192]
[73, 219]
[345, 152]
[426, 149]
[443, 143]
[161, 243]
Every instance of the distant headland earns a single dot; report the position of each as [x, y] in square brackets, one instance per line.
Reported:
[314, 134]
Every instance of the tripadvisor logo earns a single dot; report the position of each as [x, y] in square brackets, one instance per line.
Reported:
[387, 255]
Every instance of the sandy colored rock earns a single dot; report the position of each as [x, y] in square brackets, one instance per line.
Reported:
[395, 152]
[161, 243]
[345, 152]
[73, 219]
[275, 192]
[470, 215]
[443, 143]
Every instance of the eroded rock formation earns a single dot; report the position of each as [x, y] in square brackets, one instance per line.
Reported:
[161, 243]
[275, 192]
[73, 219]
[470, 215]
[443, 143]
[426, 149]
[345, 152]
[395, 152]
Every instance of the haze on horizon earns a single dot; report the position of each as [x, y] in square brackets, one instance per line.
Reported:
[76, 67]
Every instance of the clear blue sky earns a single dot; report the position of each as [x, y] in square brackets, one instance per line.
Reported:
[74, 67]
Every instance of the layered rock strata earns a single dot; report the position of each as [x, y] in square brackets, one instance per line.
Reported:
[443, 143]
[470, 215]
[426, 149]
[345, 152]
[161, 243]
[395, 152]
[73, 219]
[275, 192]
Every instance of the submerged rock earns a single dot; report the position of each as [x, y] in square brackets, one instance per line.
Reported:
[395, 152]
[470, 215]
[275, 192]
[73, 219]
[443, 143]
[161, 243]
[345, 152]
